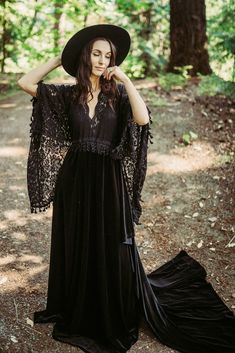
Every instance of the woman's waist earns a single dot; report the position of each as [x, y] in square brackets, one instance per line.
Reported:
[92, 144]
[91, 139]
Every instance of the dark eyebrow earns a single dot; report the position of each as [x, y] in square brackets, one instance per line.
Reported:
[109, 52]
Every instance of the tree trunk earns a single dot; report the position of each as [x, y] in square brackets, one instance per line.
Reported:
[145, 34]
[3, 44]
[58, 9]
[188, 37]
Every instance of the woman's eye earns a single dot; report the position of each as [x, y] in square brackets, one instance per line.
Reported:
[107, 57]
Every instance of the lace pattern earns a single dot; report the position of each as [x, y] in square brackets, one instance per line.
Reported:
[45, 158]
[100, 106]
[132, 150]
[51, 139]
[92, 145]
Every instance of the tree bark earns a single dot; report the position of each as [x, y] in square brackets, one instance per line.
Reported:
[188, 39]
[58, 9]
[4, 35]
[145, 34]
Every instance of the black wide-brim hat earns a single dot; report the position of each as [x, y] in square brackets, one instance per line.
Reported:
[72, 50]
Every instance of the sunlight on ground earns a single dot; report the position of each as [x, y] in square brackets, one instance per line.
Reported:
[198, 156]
[13, 141]
[35, 259]
[18, 236]
[145, 84]
[21, 218]
[16, 187]
[24, 107]
[11, 280]
[5, 260]
[13, 151]
[12, 214]
[7, 105]
[20, 265]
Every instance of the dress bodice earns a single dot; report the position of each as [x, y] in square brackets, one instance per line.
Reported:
[99, 130]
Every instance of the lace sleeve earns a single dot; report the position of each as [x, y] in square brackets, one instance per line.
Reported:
[132, 150]
[49, 142]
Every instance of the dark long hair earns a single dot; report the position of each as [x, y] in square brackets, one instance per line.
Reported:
[84, 86]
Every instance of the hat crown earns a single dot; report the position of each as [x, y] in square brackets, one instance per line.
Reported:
[72, 50]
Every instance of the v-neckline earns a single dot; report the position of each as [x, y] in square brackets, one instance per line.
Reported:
[88, 108]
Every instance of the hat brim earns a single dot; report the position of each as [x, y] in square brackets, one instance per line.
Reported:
[72, 50]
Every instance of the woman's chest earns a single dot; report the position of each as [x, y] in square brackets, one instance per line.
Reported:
[102, 124]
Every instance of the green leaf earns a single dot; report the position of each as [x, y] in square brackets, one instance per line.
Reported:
[186, 138]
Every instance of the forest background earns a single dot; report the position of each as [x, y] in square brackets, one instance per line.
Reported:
[182, 62]
[34, 31]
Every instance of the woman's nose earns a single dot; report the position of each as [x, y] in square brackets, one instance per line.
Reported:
[101, 59]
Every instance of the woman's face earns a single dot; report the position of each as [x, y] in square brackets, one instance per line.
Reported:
[100, 57]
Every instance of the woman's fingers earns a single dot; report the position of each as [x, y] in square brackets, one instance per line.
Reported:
[109, 72]
[110, 75]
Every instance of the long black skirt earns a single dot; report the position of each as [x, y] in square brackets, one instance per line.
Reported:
[98, 291]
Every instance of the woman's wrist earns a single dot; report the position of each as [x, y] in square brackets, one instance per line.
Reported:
[126, 80]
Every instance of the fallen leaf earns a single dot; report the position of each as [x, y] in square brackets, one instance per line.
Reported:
[199, 245]
[212, 219]
[29, 322]
[13, 339]
[231, 243]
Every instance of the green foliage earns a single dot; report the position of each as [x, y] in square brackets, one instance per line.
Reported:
[148, 24]
[38, 30]
[170, 80]
[32, 32]
[133, 67]
[184, 70]
[189, 137]
[212, 85]
[158, 102]
[221, 33]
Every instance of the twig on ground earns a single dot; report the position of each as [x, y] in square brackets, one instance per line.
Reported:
[16, 310]
[230, 243]
[29, 327]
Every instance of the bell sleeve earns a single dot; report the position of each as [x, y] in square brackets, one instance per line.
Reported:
[132, 146]
[49, 142]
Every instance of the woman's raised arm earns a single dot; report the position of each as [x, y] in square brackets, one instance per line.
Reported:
[28, 82]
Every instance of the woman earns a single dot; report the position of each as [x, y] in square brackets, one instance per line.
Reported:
[88, 154]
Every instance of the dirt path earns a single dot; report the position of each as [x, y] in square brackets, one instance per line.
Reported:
[189, 204]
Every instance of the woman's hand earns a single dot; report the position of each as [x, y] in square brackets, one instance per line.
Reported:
[116, 72]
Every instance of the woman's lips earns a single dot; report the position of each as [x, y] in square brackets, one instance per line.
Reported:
[100, 68]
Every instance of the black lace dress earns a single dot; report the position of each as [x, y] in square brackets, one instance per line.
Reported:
[98, 290]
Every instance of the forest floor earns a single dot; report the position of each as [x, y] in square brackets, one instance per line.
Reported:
[188, 204]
